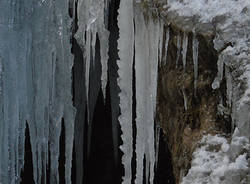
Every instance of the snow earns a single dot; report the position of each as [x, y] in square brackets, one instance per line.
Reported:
[212, 162]
[207, 10]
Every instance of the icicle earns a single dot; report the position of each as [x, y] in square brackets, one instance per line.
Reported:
[126, 52]
[146, 65]
[178, 48]
[157, 143]
[87, 66]
[154, 30]
[184, 49]
[104, 44]
[166, 45]
[185, 99]
[195, 60]
[229, 86]
[141, 61]
[160, 46]
[219, 77]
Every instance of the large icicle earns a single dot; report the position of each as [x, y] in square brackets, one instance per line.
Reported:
[91, 22]
[147, 37]
[126, 52]
[141, 61]
[195, 60]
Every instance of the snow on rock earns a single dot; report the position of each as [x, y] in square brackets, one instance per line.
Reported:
[207, 10]
[212, 162]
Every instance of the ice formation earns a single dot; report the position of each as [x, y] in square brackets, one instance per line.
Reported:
[145, 39]
[36, 83]
[36, 65]
[93, 28]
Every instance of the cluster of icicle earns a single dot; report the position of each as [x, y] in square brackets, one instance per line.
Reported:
[139, 43]
[182, 45]
[35, 83]
[35, 87]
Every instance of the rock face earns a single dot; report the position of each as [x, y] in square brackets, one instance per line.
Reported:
[196, 122]
[185, 114]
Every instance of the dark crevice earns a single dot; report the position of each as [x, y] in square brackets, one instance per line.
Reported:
[164, 171]
[100, 166]
[62, 155]
[134, 123]
[27, 172]
[112, 84]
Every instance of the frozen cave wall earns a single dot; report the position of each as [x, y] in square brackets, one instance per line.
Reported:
[177, 66]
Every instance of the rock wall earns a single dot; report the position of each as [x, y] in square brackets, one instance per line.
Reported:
[203, 126]
[185, 126]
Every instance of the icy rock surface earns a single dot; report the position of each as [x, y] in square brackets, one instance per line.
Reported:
[35, 87]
